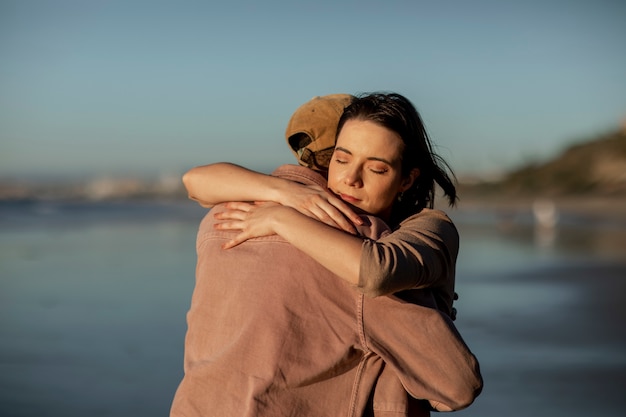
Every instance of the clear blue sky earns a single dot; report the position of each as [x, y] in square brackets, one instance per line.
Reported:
[105, 87]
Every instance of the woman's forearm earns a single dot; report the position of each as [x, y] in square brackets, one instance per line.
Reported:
[223, 182]
[217, 183]
[336, 250]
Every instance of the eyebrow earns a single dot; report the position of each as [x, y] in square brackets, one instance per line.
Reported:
[371, 158]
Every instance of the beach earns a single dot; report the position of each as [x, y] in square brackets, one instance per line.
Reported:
[553, 302]
[556, 343]
[93, 301]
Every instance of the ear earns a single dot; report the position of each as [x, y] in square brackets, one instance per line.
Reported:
[408, 181]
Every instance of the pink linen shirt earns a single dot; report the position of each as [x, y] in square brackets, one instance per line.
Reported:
[273, 333]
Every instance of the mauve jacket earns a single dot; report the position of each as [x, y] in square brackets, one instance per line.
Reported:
[273, 333]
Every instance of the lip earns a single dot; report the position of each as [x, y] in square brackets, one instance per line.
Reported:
[348, 198]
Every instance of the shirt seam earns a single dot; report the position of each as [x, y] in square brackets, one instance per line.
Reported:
[361, 323]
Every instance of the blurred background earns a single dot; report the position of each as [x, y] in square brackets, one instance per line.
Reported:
[104, 105]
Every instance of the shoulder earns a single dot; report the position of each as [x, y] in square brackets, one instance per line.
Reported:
[428, 218]
[299, 174]
[428, 224]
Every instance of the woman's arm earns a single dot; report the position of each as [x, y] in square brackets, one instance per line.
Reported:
[336, 250]
[217, 183]
[420, 254]
[221, 182]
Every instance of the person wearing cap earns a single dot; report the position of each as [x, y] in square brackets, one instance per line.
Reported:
[312, 130]
[420, 253]
[395, 357]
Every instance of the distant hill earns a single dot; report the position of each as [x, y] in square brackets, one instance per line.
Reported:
[596, 167]
[592, 168]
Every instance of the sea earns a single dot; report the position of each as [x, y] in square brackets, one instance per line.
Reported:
[93, 297]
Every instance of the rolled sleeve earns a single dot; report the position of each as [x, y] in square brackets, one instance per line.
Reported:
[421, 253]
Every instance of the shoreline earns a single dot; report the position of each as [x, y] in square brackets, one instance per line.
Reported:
[593, 207]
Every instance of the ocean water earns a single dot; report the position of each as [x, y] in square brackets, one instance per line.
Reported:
[93, 300]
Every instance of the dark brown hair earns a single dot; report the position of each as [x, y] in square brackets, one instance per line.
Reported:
[395, 112]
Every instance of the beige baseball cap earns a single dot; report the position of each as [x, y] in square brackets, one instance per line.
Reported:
[312, 129]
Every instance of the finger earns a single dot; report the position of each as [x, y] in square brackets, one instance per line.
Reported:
[345, 209]
[319, 214]
[332, 217]
[342, 222]
[229, 225]
[239, 205]
[332, 207]
[231, 215]
[237, 240]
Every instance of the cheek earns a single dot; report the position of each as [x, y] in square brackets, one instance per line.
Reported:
[336, 173]
[387, 199]
[384, 196]
[333, 177]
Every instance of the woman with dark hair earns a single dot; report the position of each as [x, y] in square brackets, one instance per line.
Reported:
[397, 114]
[383, 164]
[380, 166]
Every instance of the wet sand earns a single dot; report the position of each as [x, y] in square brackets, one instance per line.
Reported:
[95, 296]
[556, 346]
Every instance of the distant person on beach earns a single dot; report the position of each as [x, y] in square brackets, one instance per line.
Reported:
[273, 331]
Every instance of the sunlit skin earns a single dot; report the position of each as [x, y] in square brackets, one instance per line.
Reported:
[364, 173]
[365, 170]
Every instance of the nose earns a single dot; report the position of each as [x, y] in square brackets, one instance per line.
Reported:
[353, 177]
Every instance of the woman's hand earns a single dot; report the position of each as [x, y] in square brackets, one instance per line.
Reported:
[335, 249]
[251, 220]
[321, 204]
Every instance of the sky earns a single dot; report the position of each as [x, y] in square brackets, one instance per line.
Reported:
[157, 87]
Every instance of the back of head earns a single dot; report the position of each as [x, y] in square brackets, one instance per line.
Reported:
[312, 130]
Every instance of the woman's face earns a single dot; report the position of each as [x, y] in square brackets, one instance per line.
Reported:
[365, 170]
